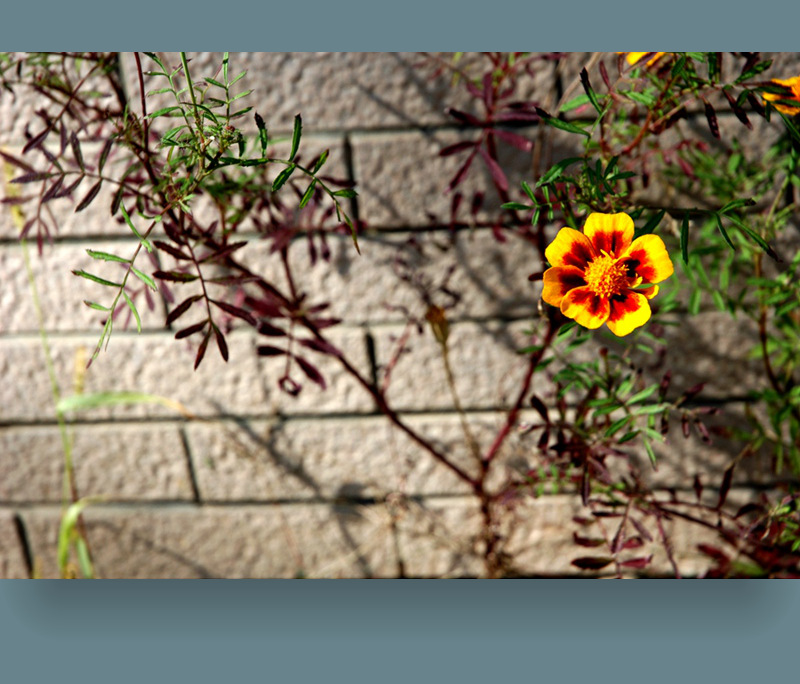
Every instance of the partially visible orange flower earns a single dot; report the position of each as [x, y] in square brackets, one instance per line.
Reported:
[792, 85]
[593, 274]
[634, 57]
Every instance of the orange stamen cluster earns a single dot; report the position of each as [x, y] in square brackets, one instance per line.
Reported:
[606, 276]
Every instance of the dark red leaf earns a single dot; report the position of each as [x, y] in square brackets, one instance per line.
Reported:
[749, 508]
[590, 542]
[175, 276]
[172, 251]
[518, 141]
[76, 150]
[224, 252]
[270, 330]
[266, 350]
[17, 162]
[311, 371]
[711, 115]
[517, 117]
[191, 330]
[201, 350]
[53, 190]
[36, 140]
[182, 308]
[461, 173]
[223, 346]
[89, 197]
[540, 407]
[33, 177]
[321, 346]
[457, 147]
[725, 487]
[737, 110]
[236, 311]
[641, 562]
[498, 176]
[463, 117]
[604, 75]
[592, 562]
[714, 552]
[323, 323]
[633, 543]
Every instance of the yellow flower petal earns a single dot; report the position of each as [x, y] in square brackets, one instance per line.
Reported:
[585, 307]
[629, 310]
[558, 281]
[570, 248]
[649, 292]
[647, 258]
[609, 233]
[793, 85]
[633, 57]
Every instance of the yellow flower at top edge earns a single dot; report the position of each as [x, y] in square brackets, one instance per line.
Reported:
[594, 274]
[634, 57]
[793, 85]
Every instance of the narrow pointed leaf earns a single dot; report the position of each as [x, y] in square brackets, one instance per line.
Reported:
[296, 133]
[96, 279]
[135, 313]
[89, 197]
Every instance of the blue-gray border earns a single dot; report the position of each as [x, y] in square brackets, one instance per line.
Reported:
[387, 631]
[398, 631]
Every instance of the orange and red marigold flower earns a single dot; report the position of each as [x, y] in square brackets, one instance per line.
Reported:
[792, 86]
[603, 275]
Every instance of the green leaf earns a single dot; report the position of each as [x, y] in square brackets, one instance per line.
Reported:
[652, 223]
[685, 239]
[642, 98]
[755, 71]
[640, 396]
[648, 409]
[135, 313]
[283, 176]
[298, 129]
[346, 192]
[105, 256]
[146, 279]
[95, 305]
[238, 78]
[322, 159]
[694, 302]
[566, 126]
[574, 103]
[679, 66]
[724, 232]
[556, 171]
[516, 206]
[67, 531]
[142, 239]
[210, 80]
[616, 426]
[308, 194]
[590, 91]
[736, 204]
[650, 453]
[163, 111]
[96, 279]
[528, 191]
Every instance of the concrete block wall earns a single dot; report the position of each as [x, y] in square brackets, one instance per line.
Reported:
[260, 484]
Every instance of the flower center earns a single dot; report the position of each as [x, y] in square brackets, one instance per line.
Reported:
[606, 276]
